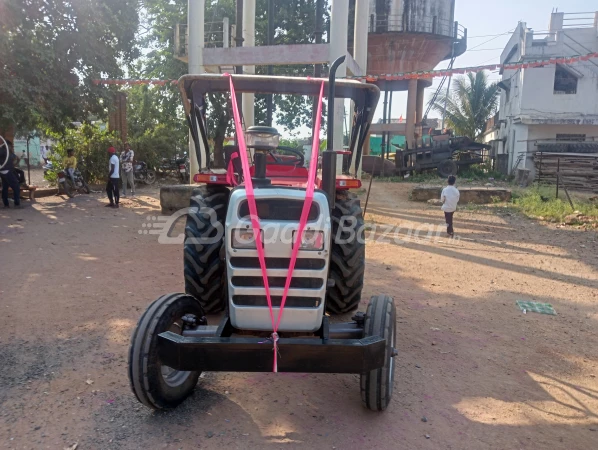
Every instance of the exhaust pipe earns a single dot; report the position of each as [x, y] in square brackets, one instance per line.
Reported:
[329, 156]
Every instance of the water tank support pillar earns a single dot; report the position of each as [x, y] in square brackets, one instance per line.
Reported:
[339, 24]
[419, 111]
[249, 41]
[195, 26]
[411, 113]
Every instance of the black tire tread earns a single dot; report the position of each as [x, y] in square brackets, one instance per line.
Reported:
[204, 271]
[443, 166]
[140, 375]
[347, 261]
[376, 385]
[68, 188]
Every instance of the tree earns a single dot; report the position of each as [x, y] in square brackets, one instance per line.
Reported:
[51, 50]
[471, 103]
[90, 142]
[153, 105]
[294, 24]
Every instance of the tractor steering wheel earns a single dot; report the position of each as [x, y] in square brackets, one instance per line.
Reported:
[299, 157]
[3, 144]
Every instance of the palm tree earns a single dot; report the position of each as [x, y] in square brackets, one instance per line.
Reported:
[471, 103]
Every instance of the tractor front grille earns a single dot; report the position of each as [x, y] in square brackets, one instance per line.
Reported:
[279, 210]
[278, 263]
[291, 302]
[303, 283]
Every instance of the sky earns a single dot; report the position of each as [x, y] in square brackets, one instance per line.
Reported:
[484, 21]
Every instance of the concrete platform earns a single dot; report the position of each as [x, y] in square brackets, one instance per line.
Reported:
[45, 192]
[175, 197]
[476, 195]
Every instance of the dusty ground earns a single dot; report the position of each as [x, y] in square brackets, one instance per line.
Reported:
[75, 277]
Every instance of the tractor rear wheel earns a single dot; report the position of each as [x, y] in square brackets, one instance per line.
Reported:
[154, 384]
[447, 168]
[377, 385]
[347, 258]
[204, 235]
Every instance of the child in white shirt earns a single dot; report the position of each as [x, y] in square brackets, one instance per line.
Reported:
[449, 198]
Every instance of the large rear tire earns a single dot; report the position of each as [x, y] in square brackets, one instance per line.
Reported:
[347, 259]
[377, 385]
[155, 385]
[204, 235]
[447, 168]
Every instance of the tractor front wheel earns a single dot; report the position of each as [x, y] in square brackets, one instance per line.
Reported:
[154, 384]
[204, 236]
[377, 385]
[347, 257]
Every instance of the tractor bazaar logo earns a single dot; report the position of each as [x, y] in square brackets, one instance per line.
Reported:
[169, 230]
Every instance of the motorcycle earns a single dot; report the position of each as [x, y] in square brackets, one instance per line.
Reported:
[183, 168]
[143, 174]
[65, 183]
[178, 165]
[70, 186]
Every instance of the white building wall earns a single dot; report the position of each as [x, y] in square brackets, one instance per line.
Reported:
[531, 110]
[538, 97]
[540, 132]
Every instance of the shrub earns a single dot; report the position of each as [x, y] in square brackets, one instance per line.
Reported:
[90, 143]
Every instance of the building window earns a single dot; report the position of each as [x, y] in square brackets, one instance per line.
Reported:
[564, 81]
[571, 137]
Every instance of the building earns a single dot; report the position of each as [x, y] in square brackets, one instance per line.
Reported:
[542, 107]
[491, 137]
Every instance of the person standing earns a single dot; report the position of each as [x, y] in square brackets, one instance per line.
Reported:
[8, 177]
[44, 153]
[450, 198]
[126, 159]
[113, 178]
[70, 164]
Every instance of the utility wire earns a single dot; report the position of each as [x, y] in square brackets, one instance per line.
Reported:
[490, 40]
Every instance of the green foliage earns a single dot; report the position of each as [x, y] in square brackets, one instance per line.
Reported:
[51, 50]
[542, 202]
[90, 143]
[480, 172]
[157, 124]
[294, 23]
[154, 144]
[157, 127]
[294, 143]
[471, 103]
[426, 177]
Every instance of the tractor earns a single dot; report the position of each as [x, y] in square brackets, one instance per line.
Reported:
[254, 250]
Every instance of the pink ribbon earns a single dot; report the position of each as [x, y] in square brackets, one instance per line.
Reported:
[255, 221]
[230, 171]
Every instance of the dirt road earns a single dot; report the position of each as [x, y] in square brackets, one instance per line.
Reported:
[75, 277]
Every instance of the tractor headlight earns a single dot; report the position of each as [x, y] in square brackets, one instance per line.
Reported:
[244, 238]
[311, 240]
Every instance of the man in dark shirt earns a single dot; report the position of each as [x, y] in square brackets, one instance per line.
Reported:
[7, 175]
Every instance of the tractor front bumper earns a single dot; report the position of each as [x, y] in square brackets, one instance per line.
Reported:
[253, 354]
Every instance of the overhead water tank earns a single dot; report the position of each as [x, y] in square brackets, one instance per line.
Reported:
[412, 35]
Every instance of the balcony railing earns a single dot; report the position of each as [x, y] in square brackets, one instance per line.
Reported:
[431, 25]
[216, 34]
[580, 20]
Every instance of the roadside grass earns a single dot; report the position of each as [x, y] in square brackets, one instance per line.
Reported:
[540, 202]
[476, 172]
